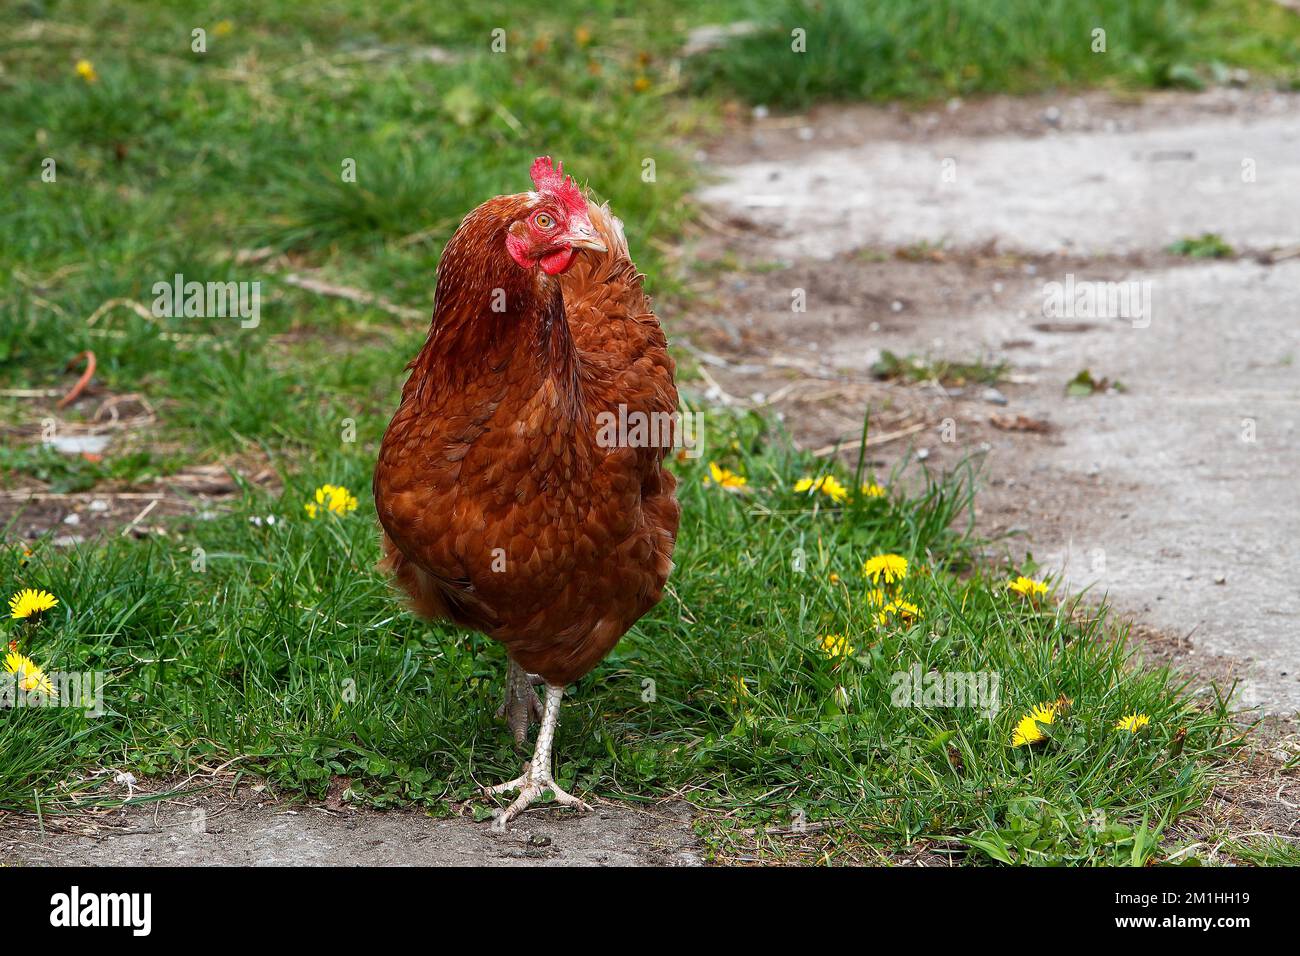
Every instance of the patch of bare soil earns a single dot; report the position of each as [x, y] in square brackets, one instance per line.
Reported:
[249, 826]
[819, 369]
[31, 511]
[1257, 802]
[96, 426]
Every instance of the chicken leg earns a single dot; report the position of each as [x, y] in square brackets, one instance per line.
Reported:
[521, 706]
[536, 778]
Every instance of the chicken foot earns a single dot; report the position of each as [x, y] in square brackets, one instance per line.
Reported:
[536, 778]
[520, 706]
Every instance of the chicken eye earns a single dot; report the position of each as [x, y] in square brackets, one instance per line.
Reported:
[543, 221]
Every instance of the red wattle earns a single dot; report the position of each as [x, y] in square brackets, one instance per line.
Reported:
[553, 263]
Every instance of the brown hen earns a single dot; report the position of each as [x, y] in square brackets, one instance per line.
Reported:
[506, 506]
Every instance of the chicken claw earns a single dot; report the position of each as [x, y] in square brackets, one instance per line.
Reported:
[536, 778]
[520, 706]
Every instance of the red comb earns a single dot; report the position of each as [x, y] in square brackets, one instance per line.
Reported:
[550, 179]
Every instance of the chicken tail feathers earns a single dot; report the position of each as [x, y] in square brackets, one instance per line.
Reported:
[431, 596]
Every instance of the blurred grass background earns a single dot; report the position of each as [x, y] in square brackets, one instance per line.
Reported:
[903, 50]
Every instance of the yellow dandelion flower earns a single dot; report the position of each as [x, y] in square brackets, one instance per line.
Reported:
[828, 485]
[222, 28]
[724, 477]
[1027, 730]
[86, 70]
[30, 677]
[890, 568]
[834, 489]
[873, 490]
[877, 597]
[835, 578]
[1027, 586]
[582, 36]
[331, 498]
[1133, 723]
[641, 84]
[30, 602]
[835, 646]
[905, 611]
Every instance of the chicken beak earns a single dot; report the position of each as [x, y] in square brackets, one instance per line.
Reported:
[585, 237]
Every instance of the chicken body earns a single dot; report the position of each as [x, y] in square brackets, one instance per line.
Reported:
[505, 506]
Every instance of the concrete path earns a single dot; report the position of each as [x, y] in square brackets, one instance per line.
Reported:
[1077, 193]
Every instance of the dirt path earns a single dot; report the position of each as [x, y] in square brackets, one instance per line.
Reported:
[215, 828]
[1177, 496]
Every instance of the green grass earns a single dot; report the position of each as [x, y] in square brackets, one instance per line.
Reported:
[913, 368]
[1264, 851]
[1208, 245]
[277, 648]
[897, 49]
[287, 653]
